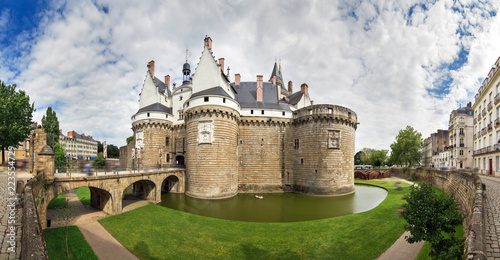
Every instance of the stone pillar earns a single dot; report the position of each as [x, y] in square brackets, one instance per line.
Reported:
[46, 162]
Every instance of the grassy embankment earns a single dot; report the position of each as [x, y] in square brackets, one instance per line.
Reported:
[160, 233]
[78, 246]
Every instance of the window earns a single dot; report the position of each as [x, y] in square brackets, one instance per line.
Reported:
[181, 115]
[223, 100]
[251, 112]
[498, 163]
[301, 160]
[461, 152]
[262, 112]
[283, 113]
[330, 110]
[180, 98]
[206, 99]
[168, 157]
[148, 114]
[167, 141]
[297, 144]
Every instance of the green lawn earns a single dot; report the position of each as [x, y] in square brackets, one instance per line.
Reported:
[58, 202]
[83, 194]
[156, 232]
[78, 246]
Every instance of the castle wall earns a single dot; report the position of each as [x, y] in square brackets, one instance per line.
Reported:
[155, 133]
[261, 159]
[211, 142]
[178, 146]
[322, 156]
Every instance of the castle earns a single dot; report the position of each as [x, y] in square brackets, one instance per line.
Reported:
[241, 136]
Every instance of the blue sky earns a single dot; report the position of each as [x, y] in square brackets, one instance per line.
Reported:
[395, 63]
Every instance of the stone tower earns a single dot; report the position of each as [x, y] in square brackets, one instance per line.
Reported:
[324, 150]
[211, 117]
[152, 123]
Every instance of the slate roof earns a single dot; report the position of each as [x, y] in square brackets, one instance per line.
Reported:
[156, 107]
[247, 96]
[295, 97]
[276, 72]
[161, 87]
[218, 91]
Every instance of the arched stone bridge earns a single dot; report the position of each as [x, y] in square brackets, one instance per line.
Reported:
[107, 190]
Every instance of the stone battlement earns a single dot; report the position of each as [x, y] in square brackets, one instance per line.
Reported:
[325, 111]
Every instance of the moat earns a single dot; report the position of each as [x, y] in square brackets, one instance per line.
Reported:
[278, 207]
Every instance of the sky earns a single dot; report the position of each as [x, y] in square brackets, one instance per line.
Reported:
[395, 63]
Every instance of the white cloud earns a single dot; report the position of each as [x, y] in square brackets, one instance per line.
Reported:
[370, 56]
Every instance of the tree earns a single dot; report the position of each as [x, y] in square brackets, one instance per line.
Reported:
[16, 115]
[50, 124]
[357, 158]
[433, 218]
[59, 157]
[129, 139]
[100, 148]
[378, 157]
[365, 155]
[406, 149]
[99, 161]
[113, 151]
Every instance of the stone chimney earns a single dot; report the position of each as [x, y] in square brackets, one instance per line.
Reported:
[274, 79]
[208, 43]
[237, 78]
[260, 88]
[290, 87]
[312, 102]
[469, 104]
[221, 63]
[83, 135]
[167, 81]
[304, 89]
[151, 67]
[72, 133]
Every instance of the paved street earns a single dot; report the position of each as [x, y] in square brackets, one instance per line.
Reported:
[492, 209]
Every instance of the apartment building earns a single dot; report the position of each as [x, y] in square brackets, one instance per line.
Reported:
[461, 130]
[78, 146]
[487, 124]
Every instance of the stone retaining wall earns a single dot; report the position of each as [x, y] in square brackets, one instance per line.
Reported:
[33, 243]
[468, 190]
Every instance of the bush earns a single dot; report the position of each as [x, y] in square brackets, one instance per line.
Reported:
[433, 218]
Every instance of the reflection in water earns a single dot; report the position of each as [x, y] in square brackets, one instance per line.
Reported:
[278, 207]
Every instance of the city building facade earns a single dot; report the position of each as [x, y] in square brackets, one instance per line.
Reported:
[241, 136]
[427, 153]
[487, 124]
[461, 130]
[78, 146]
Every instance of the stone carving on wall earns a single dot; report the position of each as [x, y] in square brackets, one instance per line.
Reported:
[333, 139]
[139, 139]
[205, 131]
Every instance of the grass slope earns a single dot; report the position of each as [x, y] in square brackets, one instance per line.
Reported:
[160, 233]
[78, 246]
[83, 194]
[58, 202]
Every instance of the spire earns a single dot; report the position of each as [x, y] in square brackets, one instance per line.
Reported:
[277, 72]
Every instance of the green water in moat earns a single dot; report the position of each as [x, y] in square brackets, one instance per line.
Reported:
[278, 207]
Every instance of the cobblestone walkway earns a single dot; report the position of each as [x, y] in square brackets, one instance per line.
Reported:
[492, 221]
[10, 216]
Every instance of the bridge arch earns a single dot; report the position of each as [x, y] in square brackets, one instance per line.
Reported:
[100, 198]
[171, 184]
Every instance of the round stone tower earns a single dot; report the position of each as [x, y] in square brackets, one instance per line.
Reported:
[324, 150]
[212, 162]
